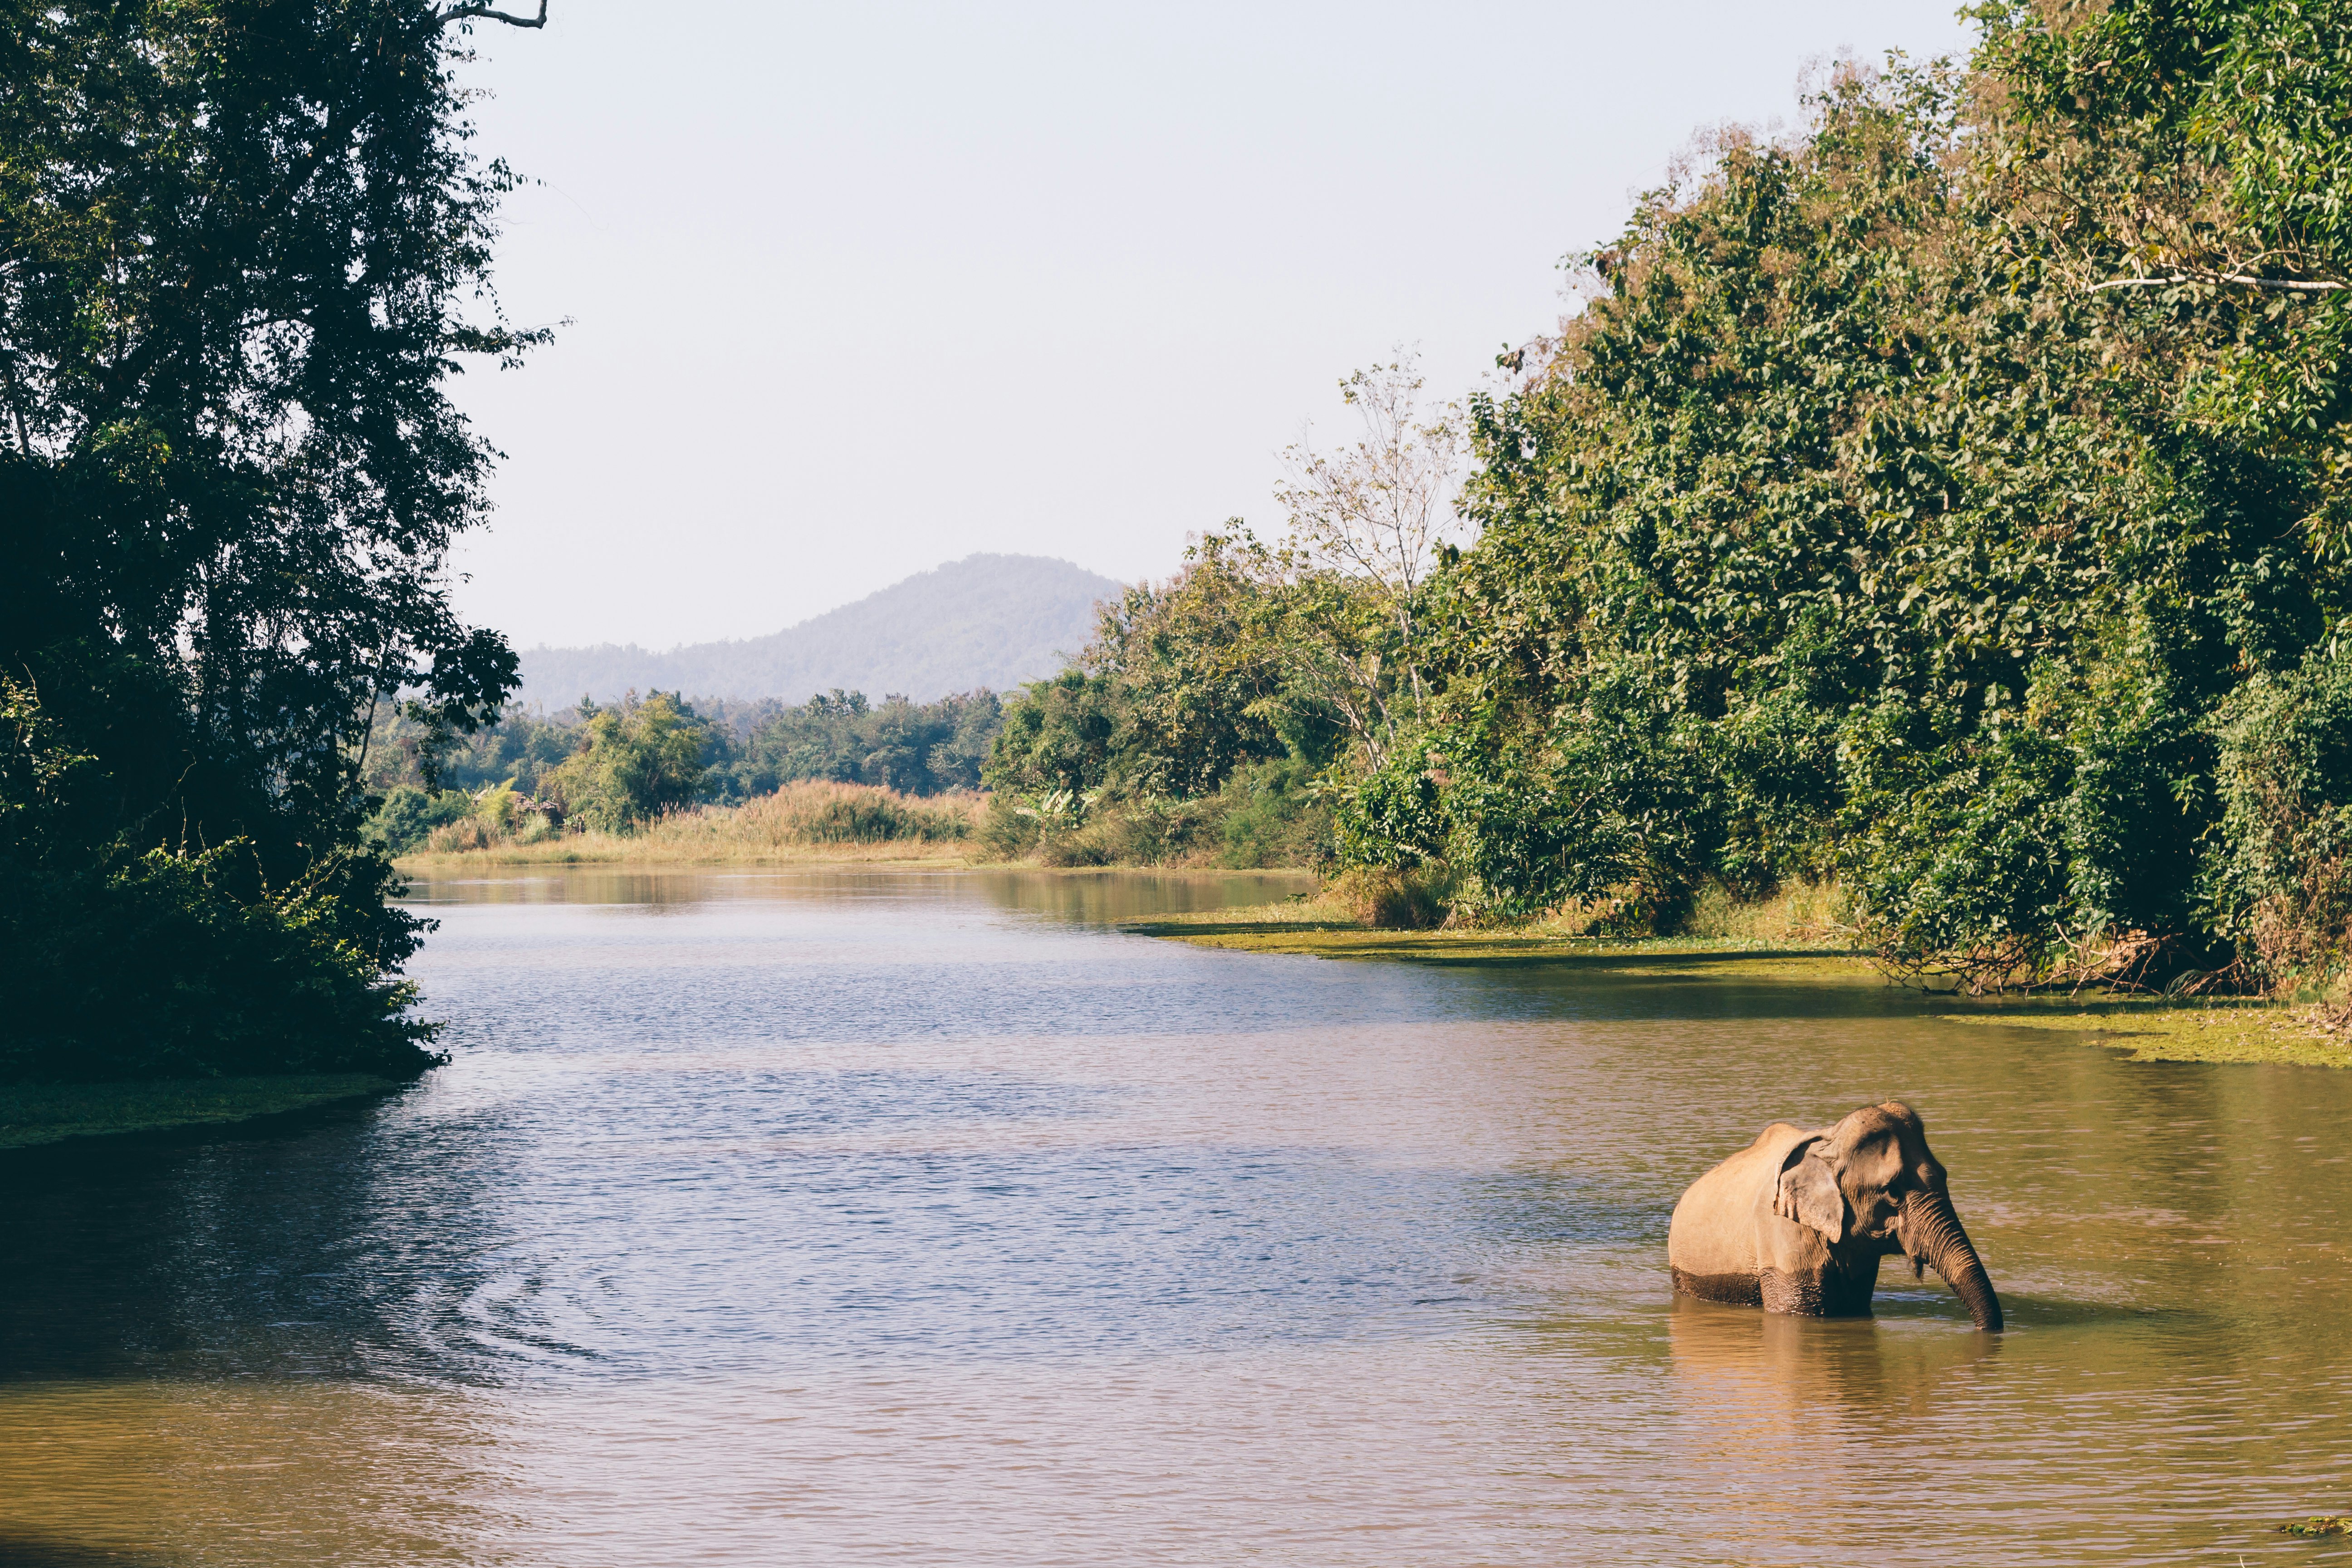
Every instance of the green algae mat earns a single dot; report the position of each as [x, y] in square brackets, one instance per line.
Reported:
[2148, 1029]
[1491, 950]
[2221, 1031]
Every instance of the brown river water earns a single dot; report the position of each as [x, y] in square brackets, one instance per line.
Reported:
[846, 1217]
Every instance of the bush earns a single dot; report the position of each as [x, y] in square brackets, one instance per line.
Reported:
[119, 963]
[167, 965]
[2282, 884]
[1270, 815]
[1264, 815]
[409, 816]
[819, 813]
[920, 749]
[815, 812]
[1393, 900]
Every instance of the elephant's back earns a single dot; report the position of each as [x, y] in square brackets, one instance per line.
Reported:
[1712, 1241]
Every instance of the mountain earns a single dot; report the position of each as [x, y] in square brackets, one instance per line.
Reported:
[986, 620]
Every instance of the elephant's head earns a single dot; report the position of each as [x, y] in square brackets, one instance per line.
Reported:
[1871, 1180]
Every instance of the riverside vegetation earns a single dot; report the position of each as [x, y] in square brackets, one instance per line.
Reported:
[1948, 504]
[666, 779]
[242, 247]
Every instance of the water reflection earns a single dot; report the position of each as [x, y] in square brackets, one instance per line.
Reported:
[880, 1215]
[1790, 1383]
[1089, 897]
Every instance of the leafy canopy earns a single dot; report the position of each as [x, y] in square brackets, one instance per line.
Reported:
[242, 246]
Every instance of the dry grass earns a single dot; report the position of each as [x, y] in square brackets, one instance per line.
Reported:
[804, 823]
[1800, 914]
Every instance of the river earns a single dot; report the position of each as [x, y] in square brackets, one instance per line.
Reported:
[848, 1217]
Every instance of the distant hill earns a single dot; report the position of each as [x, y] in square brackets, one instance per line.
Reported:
[986, 620]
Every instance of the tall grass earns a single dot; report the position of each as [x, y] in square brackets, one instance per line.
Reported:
[814, 812]
[810, 820]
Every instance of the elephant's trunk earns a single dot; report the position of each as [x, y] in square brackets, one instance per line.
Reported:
[1932, 1234]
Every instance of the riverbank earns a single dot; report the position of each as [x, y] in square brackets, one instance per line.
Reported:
[2149, 1029]
[810, 823]
[633, 849]
[34, 1114]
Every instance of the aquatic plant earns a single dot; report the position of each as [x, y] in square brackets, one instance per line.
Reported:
[2319, 1524]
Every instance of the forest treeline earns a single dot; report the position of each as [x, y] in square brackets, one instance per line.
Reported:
[1950, 501]
[617, 768]
[611, 766]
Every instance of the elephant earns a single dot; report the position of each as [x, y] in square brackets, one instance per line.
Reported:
[1797, 1221]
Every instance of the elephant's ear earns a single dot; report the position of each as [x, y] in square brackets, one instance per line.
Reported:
[1809, 1192]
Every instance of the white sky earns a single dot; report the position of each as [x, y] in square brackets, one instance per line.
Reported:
[859, 288]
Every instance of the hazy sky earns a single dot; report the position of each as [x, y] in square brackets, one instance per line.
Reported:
[859, 288]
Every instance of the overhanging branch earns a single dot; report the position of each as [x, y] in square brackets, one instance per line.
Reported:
[471, 12]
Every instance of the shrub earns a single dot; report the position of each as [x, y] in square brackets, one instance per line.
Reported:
[1393, 900]
[409, 816]
[1264, 815]
[123, 962]
[2282, 884]
[1270, 815]
[820, 813]
[167, 965]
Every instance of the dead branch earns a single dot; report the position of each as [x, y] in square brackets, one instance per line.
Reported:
[470, 12]
[2234, 279]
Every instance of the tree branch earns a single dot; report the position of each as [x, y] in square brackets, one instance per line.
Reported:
[468, 11]
[2238, 280]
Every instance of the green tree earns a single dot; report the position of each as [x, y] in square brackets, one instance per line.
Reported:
[242, 246]
[917, 748]
[1854, 529]
[1058, 737]
[635, 761]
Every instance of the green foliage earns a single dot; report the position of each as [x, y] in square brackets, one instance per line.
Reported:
[1264, 815]
[242, 246]
[1396, 818]
[2282, 886]
[521, 746]
[1060, 734]
[635, 761]
[1851, 532]
[2319, 1524]
[1197, 664]
[927, 748]
[1186, 683]
[189, 964]
[409, 815]
[1192, 729]
[1273, 814]
[120, 962]
[865, 814]
[513, 781]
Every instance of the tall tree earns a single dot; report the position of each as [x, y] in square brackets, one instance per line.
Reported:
[244, 246]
